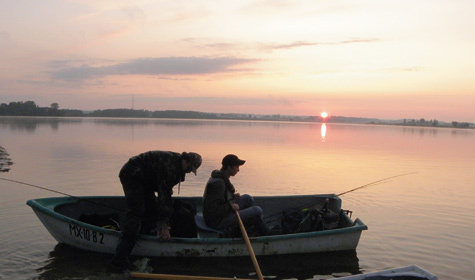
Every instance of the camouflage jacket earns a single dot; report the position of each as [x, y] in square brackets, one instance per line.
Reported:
[159, 171]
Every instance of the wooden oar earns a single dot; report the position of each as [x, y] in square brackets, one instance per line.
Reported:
[249, 247]
[177, 277]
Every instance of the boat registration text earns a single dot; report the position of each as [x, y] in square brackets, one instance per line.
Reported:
[86, 234]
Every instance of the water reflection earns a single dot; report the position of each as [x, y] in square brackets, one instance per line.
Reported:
[30, 124]
[323, 130]
[83, 158]
[5, 161]
[420, 130]
[65, 262]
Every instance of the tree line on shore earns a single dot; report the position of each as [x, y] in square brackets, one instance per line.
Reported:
[29, 108]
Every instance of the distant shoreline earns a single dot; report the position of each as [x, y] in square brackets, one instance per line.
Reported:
[30, 109]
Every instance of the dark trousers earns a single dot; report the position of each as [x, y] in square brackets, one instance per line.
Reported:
[140, 216]
[142, 208]
[248, 211]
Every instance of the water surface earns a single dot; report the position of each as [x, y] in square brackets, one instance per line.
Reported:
[425, 217]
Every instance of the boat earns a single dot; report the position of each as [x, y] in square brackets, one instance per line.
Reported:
[411, 272]
[62, 218]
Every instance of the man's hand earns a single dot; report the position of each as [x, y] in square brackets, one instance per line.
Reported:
[164, 233]
[235, 207]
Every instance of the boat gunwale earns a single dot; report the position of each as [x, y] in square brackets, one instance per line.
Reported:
[48, 205]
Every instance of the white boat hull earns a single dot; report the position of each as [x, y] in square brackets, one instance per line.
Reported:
[92, 238]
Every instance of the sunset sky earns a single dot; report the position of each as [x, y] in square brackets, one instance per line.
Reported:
[388, 59]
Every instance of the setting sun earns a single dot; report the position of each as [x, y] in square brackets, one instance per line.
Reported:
[324, 114]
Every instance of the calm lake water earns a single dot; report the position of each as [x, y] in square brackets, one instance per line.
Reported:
[425, 218]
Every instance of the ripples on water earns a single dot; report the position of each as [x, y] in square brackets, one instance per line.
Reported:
[283, 267]
[425, 218]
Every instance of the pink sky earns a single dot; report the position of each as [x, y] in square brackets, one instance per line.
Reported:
[378, 59]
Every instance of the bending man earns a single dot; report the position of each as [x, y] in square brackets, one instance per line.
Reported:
[146, 213]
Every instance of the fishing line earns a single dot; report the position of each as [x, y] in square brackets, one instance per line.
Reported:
[375, 182]
[352, 190]
[58, 192]
[108, 206]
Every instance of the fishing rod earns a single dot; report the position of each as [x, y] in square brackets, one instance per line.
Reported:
[300, 207]
[376, 182]
[352, 190]
[62, 193]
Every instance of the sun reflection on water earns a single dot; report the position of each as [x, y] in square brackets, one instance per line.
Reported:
[323, 131]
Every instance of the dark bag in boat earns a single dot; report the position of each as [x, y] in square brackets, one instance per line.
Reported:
[330, 219]
[312, 221]
[315, 220]
[291, 219]
[182, 221]
[107, 221]
[306, 220]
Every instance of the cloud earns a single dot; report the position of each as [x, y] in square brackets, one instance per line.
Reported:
[59, 64]
[293, 45]
[153, 66]
[298, 44]
[407, 69]
[32, 82]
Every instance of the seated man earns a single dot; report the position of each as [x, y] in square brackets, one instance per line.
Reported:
[221, 200]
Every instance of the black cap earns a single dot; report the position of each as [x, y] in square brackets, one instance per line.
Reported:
[232, 160]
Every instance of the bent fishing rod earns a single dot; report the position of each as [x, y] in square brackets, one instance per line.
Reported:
[375, 182]
[340, 194]
[62, 193]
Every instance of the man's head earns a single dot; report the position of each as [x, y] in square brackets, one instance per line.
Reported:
[192, 161]
[231, 163]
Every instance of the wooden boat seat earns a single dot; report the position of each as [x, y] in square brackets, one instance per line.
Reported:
[205, 231]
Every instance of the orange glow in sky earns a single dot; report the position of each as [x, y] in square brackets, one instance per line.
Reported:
[358, 59]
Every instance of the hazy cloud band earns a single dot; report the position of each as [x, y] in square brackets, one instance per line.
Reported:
[154, 66]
